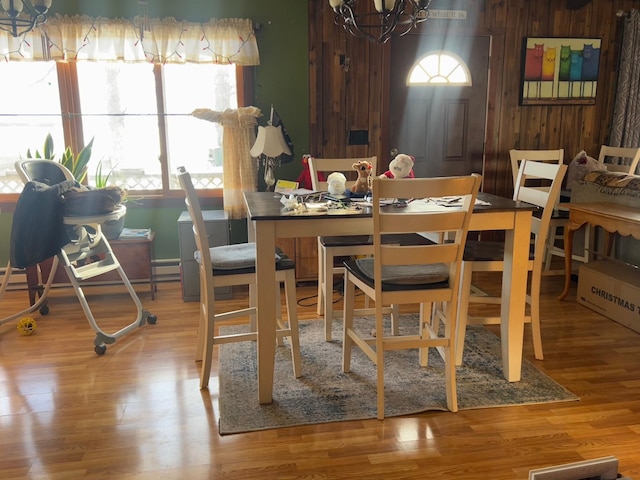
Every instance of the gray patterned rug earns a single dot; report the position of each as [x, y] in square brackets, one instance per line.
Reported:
[325, 394]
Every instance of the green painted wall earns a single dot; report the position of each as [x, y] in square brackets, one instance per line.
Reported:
[281, 79]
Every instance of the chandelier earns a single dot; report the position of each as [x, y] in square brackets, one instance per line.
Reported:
[391, 18]
[21, 16]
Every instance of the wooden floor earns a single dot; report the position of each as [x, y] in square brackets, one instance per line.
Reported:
[137, 411]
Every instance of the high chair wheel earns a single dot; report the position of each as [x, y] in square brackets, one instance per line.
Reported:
[100, 349]
[152, 319]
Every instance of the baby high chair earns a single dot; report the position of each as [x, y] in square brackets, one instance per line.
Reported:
[87, 255]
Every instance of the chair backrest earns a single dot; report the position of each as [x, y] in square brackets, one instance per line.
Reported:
[41, 170]
[629, 158]
[547, 156]
[200, 235]
[546, 199]
[330, 165]
[419, 216]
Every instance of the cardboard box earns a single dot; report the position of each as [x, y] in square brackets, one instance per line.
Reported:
[612, 289]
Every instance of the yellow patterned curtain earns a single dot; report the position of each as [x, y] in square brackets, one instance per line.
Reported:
[165, 40]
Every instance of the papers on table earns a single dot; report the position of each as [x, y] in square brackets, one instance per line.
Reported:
[453, 201]
[433, 201]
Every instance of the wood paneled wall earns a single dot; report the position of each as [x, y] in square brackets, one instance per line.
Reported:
[355, 96]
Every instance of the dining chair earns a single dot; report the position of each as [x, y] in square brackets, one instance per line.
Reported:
[411, 274]
[489, 256]
[559, 217]
[233, 265]
[332, 247]
[628, 157]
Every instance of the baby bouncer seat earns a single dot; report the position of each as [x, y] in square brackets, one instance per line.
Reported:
[77, 244]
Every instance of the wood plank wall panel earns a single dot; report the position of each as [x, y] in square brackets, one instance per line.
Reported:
[572, 127]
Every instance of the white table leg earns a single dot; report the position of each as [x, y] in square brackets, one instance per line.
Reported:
[266, 295]
[514, 290]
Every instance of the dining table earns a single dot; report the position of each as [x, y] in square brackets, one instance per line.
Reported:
[268, 219]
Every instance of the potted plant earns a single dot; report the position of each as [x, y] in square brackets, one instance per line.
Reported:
[76, 164]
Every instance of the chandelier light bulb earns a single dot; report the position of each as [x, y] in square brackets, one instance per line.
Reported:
[13, 8]
[22, 16]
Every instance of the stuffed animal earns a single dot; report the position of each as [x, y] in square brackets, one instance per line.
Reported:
[336, 183]
[363, 182]
[400, 167]
[304, 180]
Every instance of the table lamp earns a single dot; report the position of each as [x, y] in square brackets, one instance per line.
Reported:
[270, 144]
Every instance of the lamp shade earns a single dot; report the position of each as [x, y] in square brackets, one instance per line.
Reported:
[270, 142]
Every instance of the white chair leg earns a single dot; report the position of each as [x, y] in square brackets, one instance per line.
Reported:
[292, 311]
[395, 319]
[463, 310]
[551, 243]
[536, 332]
[347, 342]
[427, 312]
[380, 364]
[202, 318]
[253, 325]
[321, 278]
[328, 294]
[279, 339]
[449, 365]
[206, 336]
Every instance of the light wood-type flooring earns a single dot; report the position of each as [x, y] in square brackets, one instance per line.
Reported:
[137, 411]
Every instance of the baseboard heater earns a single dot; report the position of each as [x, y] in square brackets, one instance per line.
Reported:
[164, 270]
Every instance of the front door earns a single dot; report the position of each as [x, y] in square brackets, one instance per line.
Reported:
[439, 123]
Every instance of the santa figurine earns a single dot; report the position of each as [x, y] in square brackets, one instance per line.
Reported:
[400, 167]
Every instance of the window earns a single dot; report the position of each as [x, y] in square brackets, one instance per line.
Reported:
[195, 143]
[139, 115]
[29, 110]
[81, 78]
[440, 69]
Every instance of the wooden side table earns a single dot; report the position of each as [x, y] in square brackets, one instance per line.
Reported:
[613, 218]
[134, 255]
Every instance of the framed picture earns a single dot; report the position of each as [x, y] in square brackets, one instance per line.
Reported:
[560, 70]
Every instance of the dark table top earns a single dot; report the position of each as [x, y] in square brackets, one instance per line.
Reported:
[267, 206]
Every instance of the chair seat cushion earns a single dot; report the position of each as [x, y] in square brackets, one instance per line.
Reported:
[407, 277]
[239, 258]
[485, 251]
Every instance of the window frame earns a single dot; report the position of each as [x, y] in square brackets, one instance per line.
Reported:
[440, 53]
[74, 136]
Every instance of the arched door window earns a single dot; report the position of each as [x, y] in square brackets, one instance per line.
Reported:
[440, 69]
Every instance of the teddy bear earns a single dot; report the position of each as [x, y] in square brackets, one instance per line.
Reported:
[363, 182]
[400, 167]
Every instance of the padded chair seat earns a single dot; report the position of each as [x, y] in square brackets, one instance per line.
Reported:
[485, 251]
[241, 258]
[407, 277]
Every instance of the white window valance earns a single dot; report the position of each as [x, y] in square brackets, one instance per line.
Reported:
[167, 40]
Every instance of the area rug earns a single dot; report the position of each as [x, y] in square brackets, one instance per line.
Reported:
[325, 394]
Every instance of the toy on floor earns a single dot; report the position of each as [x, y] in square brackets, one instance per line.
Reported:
[26, 325]
[400, 167]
